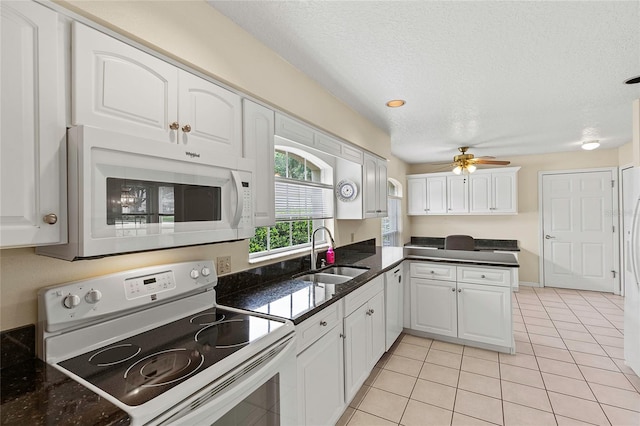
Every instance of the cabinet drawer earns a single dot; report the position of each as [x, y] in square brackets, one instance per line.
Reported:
[434, 271]
[492, 276]
[359, 297]
[318, 325]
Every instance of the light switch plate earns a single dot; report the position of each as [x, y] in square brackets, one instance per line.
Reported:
[223, 265]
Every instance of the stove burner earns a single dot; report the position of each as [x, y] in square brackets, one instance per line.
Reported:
[207, 318]
[163, 368]
[114, 355]
[224, 334]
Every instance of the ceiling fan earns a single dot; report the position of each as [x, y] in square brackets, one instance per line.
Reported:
[466, 163]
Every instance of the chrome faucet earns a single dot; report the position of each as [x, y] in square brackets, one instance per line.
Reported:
[314, 256]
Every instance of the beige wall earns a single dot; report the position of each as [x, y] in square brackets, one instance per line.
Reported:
[524, 226]
[197, 35]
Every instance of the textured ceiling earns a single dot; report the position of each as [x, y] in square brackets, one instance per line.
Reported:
[506, 78]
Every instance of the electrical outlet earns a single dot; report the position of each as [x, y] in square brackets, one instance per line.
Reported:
[223, 265]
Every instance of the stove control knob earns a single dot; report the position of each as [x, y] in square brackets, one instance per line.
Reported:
[206, 272]
[194, 273]
[71, 301]
[93, 296]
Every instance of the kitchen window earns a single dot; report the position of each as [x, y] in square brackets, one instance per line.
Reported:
[303, 201]
[392, 224]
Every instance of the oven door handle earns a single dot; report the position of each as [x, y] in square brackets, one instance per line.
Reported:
[239, 199]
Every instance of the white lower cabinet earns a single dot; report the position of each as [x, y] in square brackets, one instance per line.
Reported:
[471, 303]
[321, 367]
[394, 304]
[364, 329]
[321, 380]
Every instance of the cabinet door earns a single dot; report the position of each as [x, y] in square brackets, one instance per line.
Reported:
[212, 113]
[480, 193]
[433, 306]
[381, 188]
[355, 351]
[293, 130]
[417, 196]
[121, 88]
[321, 381]
[326, 144]
[33, 139]
[505, 192]
[484, 313]
[376, 329]
[258, 145]
[370, 184]
[437, 195]
[457, 194]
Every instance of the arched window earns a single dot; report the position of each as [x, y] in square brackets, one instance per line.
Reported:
[392, 224]
[303, 200]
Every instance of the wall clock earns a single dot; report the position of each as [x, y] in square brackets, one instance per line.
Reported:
[346, 190]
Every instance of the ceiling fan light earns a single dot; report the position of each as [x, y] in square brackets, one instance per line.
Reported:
[457, 170]
[590, 145]
[471, 168]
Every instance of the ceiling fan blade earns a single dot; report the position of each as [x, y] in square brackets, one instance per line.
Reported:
[496, 162]
[488, 157]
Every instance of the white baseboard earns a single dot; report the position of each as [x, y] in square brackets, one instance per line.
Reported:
[529, 284]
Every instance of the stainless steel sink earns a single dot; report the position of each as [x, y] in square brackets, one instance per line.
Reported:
[347, 271]
[322, 278]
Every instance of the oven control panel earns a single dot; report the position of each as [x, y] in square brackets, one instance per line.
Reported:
[72, 304]
[149, 284]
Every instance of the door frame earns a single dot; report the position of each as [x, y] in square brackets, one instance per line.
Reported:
[615, 199]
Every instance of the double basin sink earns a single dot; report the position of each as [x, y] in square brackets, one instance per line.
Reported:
[335, 275]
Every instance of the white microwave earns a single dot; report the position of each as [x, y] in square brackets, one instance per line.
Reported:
[129, 194]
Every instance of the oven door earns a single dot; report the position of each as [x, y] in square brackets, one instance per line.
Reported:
[261, 391]
[136, 194]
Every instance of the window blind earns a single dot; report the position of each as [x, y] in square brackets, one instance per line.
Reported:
[296, 200]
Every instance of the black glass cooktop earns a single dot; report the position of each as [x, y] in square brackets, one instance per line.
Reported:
[141, 367]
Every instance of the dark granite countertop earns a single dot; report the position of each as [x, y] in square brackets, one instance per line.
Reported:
[35, 393]
[480, 244]
[273, 290]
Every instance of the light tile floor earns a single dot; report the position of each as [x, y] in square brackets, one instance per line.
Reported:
[568, 370]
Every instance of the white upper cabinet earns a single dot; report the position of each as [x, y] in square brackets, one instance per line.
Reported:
[33, 132]
[488, 191]
[121, 88]
[258, 145]
[375, 186]
[457, 194]
[302, 133]
[494, 193]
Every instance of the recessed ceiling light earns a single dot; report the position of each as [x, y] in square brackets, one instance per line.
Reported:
[634, 80]
[589, 145]
[395, 103]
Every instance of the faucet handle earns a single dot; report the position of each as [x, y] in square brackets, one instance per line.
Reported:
[323, 263]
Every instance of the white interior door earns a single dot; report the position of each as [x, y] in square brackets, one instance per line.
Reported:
[577, 222]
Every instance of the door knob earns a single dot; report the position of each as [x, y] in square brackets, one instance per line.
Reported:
[51, 219]
[548, 237]
[174, 125]
[186, 128]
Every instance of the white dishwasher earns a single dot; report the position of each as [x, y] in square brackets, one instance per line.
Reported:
[394, 304]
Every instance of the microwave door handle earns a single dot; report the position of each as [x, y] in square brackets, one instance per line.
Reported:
[238, 186]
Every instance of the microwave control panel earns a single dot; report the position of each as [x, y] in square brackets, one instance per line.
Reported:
[245, 227]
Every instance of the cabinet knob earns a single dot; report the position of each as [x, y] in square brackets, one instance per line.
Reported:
[459, 290]
[51, 219]
[453, 289]
[186, 128]
[344, 336]
[483, 276]
[432, 272]
[323, 323]
[174, 125]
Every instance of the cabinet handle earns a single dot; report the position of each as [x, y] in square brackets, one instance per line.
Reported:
[51, 219]
[344, 336]
[459, 290]
[432, 272]
[483, 276]
[186, 128]
[453, 289]
[174, 125]
[372, 312]
[323, 323]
